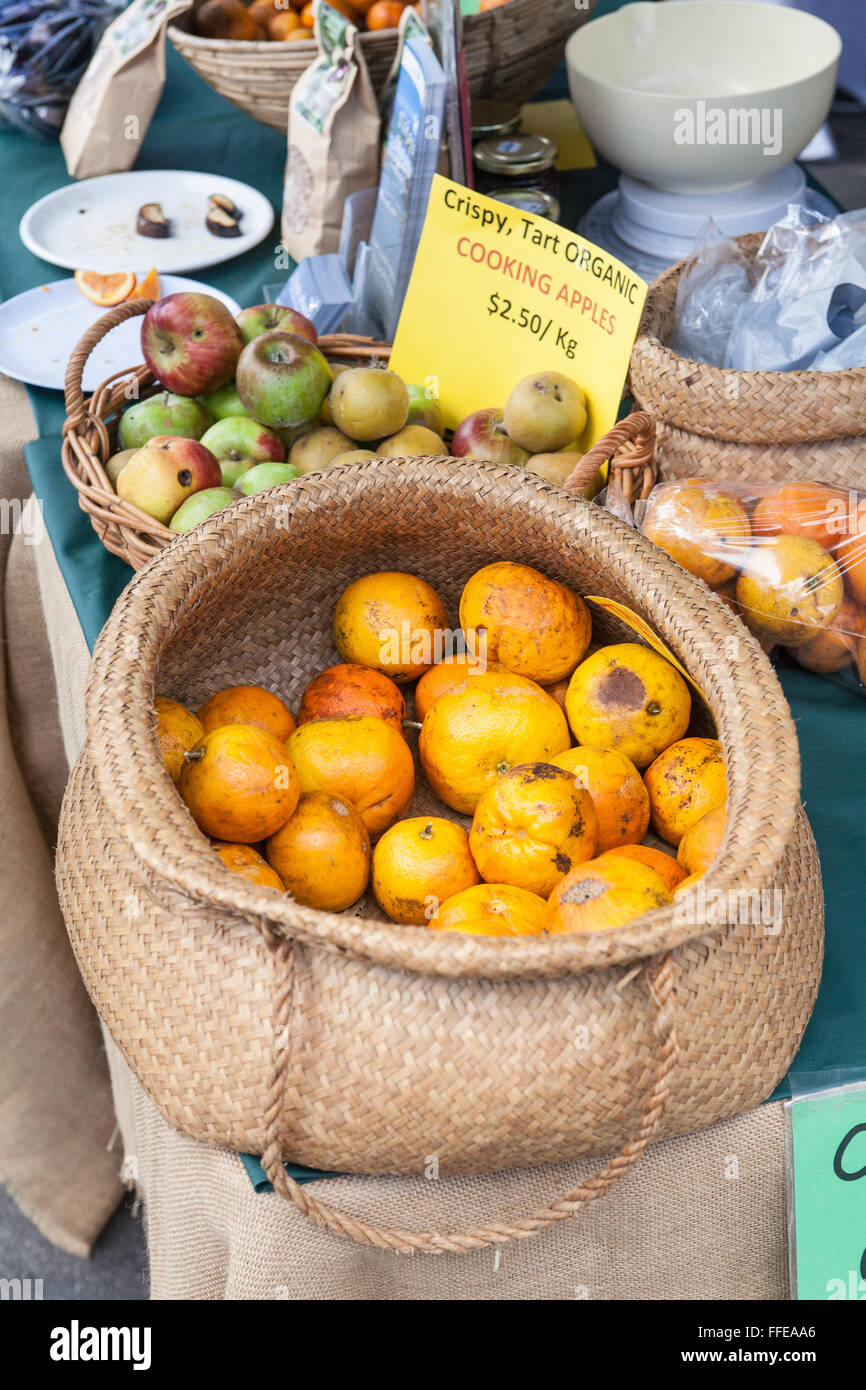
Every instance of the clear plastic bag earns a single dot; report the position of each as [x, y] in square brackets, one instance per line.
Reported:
[710, 294]
[788, 558]
[45, 46]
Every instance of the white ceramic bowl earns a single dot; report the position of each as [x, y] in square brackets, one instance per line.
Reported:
[703, 95]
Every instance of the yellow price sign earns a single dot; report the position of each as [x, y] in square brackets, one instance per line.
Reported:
[497, 293]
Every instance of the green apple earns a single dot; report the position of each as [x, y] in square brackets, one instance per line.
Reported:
[264, 318]
[265, 476]
[162, 415]
[282, 379]
[116, 463]
[223, 403]
[239, 443]
[200, 506]
[423, 410]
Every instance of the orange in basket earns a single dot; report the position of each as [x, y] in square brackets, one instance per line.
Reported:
[323, 853]
[667, 868]
[603, 894]
[248, 704]
[492, 909]
[239, 784]
[704, 530]
[420, 863]
[532, 826]
[249, 864]
[363, 760]
[803, 509]
[618, 793]
[106, 290]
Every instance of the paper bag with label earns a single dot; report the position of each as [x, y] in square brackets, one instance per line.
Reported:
[333, 139]
[114, 102]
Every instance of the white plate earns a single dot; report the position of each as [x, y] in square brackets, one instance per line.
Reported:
[91, 225]
[40, 328]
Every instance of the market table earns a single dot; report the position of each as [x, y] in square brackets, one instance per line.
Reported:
[211, 1233]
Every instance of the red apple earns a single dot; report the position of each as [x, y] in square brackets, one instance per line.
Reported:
[482, 436]
[191, 343]
[282, 379]
[165, 472]
[263, 318]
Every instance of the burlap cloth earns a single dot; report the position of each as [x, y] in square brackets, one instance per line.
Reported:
[702, 1217]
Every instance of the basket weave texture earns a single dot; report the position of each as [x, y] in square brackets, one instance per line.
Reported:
[352, 1043]
[510, 52]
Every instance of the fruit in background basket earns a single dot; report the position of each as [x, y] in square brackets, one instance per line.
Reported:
[323, 853]
[621, 800]
[685, 782]
[224, 403]
[605, 893]
[116, 463]
[225, 19]
[353, 456]
[705, 531]
[418, 864]
[239, 784]
[851, 558]
[280, 25]
[391, 621]
[343, 691]
[424, 410]
[166, 471]
[556, 690]
[532, 826]
[177, 731]
[384, 14]
[248, 704]
[364, 760]
[263, 476]
[554, 468]
[790, 589]
[482, 435]
[249, 864]
[669, 871]
[239, 443]
[164, 414]
[191, 343]
[835, 647]
[492, 909]
[445, 676]
[803, 509]
[482, 728]
[318, 449]
[199, 507]
[532, 625]
[628, 697]
[266, 318]
[412, 441]
[105, 290]
[282, 378]
[702, 841]
[545, 412]
[369, 403]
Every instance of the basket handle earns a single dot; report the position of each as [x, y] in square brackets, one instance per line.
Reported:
[630, 447]
[75, 408]
[659, 973]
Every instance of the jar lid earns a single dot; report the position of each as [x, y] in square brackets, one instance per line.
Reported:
[491, 118]
[533, 200]
[513, 155]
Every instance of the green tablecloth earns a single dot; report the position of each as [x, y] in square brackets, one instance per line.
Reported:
[196, 129]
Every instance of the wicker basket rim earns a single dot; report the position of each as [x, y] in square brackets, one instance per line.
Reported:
[744, 696]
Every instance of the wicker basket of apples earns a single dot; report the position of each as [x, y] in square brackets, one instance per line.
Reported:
[224, 408]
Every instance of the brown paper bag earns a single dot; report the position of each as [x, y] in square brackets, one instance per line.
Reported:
[333, 138]
[112, 107]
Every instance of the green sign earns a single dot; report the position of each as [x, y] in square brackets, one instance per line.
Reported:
[827, 1194]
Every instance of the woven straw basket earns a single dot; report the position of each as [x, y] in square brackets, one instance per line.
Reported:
[90, 438]
[510, 52]
[756, 426]
[350, 1043]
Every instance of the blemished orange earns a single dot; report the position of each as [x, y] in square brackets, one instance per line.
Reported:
[835, 647]
[177, 731]
[362, 760]
[342, 691]
[617, 789]
[249, 864]
[790, 590]
[556, 690]
[105, 290]
[481, 728]
[704, 530]
[669, 871]
[322, 854]
[420, 863]
[239, 783]
[685, 782]
[248, 704]
[531, 827]
[629, 698]
[391, 621]
[700, 844]
[803, 509]
[492, 909]
[605, 893]
[531, 625]
[445, 676]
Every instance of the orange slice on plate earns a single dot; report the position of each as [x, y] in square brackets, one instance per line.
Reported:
[148, 288]
[105, 289]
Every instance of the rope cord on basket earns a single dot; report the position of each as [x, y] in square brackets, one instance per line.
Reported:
[630, 447]
[660, 980]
